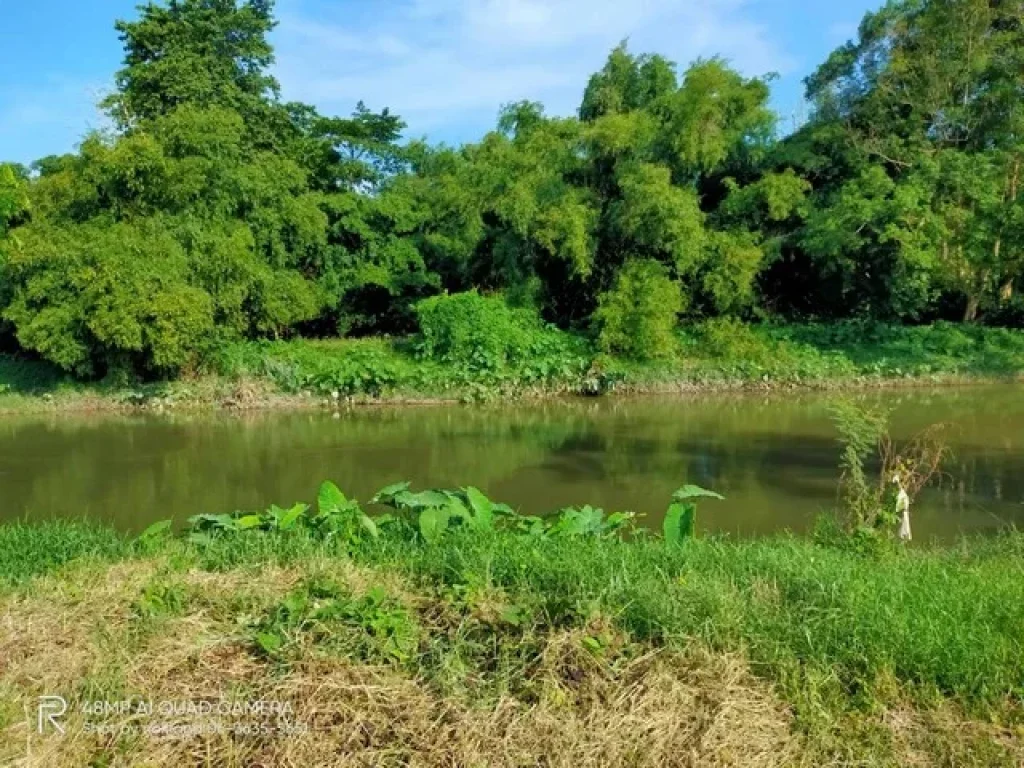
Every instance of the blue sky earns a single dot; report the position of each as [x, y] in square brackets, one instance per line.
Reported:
[444, 65]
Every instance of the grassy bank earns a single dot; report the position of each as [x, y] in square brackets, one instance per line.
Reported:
[718, 355]
[511, 644]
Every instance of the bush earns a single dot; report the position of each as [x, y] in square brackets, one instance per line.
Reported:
[482, 332]
[96, 296]
[637, 317]
[729, 338]
[347, 367]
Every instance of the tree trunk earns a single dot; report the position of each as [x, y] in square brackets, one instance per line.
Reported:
[971, 310]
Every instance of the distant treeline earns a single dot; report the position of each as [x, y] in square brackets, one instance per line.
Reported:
[215, 210]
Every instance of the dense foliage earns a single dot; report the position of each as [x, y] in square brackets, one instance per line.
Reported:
[215, 212]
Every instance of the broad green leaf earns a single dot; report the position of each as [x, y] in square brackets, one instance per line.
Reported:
[573, 521]
[330, 498]
[619, 520]
[433, 523]
[155, 530]
[290, 517]
[387, 493]
[513, 614]
[207, 522]
[421, 500]
[458, 511]
[679, 522]
[247, 522]
[269, 642]
[695, 492]
[368, 525]
[483, 508]
[295, 603]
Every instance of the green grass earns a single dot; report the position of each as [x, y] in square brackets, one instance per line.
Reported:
[28, 550]
[827, 624]
[718, 354]
[841, 639]
[948, 622]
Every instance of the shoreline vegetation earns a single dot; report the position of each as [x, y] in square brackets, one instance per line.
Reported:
[245, 247]
[452, 630]
[707, 358]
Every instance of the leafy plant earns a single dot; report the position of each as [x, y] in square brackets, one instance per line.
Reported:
[481, 332]
[157, 530]
[860, 430]
[432, 512]
[868, 504]
[680, 521]
[273, 519]
[160, 600]
[336, 517]
[638, 316]
[588, 521]
[372, 627]
[341, 517]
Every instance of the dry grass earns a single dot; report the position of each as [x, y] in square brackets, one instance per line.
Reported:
[944, 736]
[80, 634]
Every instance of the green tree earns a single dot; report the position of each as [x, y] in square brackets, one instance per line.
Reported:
[13, 197]
[930, 94]
[196, 222]
[200, 53]
[637, 317]
[103, 295]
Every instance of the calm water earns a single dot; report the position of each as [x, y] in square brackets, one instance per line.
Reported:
[774, 458]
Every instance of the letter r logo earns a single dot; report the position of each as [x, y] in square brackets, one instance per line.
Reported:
[51, 708]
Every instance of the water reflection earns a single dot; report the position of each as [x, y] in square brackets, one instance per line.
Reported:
[774, 457]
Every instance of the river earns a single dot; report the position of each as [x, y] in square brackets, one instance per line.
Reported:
[773, 456]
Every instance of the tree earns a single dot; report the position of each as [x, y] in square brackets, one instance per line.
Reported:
[196, 222]
[930, 93]
[638, 316]
[354, 154]
[13, 197]
[662, 155]
[200, 53]
[99, 296]
[627, 83]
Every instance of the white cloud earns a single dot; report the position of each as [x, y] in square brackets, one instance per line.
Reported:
[59, 109]
[446, 65]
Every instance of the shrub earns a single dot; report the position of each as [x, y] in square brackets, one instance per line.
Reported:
[94, 296]
[729, 338]
[637, 317]
[348, 367]
[482, 332]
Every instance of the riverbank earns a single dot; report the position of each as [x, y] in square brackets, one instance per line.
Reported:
[710, 357]
[495, 647]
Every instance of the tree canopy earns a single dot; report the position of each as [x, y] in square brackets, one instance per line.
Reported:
[215, 210]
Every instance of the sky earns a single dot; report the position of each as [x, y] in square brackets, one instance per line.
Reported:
[445, 66]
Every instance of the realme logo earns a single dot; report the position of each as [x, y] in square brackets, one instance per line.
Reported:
[51, 708]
